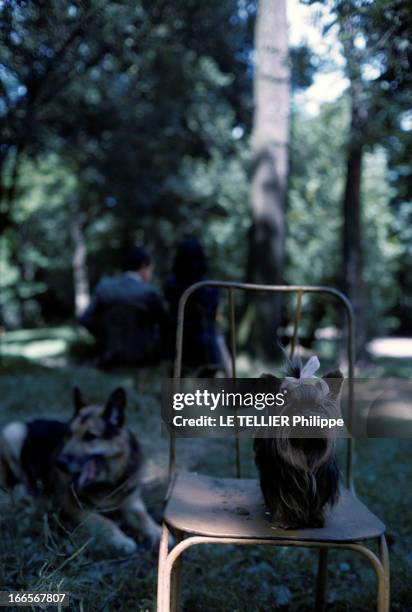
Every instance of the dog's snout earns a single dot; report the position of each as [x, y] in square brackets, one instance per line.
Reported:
[72, 464]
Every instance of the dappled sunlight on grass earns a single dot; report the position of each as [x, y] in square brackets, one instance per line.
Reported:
[43, 343]
[64, 332]
[36, 349]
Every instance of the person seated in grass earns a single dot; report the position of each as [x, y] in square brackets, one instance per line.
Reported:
[126, 314]
[204, 348]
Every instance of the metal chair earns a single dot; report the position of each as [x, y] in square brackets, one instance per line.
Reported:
[202, 510]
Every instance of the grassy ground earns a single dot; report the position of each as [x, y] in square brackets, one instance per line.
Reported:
[37, 552]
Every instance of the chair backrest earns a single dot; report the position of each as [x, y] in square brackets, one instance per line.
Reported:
[299, 291]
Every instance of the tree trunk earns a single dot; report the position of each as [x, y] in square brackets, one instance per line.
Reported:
[270, 138]
[79, 262]
[352, 252]
[353, 281]
[8, 191]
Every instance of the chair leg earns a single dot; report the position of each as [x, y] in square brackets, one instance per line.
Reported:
[382, 602]
[176, 575]
[166, 589]
[381, 566]
[322, 580]
[169, 572]
[163, 553]
[384, 581]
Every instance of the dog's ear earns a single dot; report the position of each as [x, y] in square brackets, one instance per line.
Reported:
[115, 407]
[78, 400]
[335, 382]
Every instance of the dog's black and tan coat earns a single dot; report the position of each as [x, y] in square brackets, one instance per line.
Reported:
[299, 476]
[91, 465]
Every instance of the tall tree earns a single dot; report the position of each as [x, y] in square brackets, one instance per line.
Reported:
[41, 57]
[352, 251]
[373, 35]
[375, 38]
[270, 137]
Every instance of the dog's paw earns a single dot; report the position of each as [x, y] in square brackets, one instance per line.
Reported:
[124, 544]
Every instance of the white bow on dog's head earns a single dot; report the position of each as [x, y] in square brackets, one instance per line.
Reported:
[307, 375]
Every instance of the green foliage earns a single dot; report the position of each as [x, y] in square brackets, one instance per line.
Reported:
[314, 214]
[132, 119]
[139, 112]
[376, 41]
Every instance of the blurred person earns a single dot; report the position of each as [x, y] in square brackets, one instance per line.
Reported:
[126, 314]
[203, 347]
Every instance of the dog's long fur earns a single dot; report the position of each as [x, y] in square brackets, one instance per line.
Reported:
[91, 465]
[299, 477]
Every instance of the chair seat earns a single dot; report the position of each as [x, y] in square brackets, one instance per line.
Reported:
[230, 507]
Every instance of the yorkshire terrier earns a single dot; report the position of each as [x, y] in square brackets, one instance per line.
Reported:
[299, 476]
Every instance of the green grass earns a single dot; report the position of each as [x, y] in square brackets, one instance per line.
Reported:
[45, 343]
[37, 551]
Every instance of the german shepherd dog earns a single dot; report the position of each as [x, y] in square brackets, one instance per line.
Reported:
[91, 465]
[299, 477]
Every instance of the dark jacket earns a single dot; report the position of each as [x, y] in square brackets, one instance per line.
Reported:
[128, 318]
